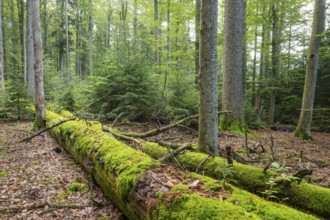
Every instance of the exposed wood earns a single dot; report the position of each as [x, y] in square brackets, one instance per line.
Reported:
[175, 152]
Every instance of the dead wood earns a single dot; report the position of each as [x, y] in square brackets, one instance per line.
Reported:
[46, 129]
[175, 152]
[202, 163]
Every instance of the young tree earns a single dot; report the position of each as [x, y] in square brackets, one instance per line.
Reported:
[303, 129]
[208, 108]
[2, 75]
[40, 120]
[197, 33]
[232, 94]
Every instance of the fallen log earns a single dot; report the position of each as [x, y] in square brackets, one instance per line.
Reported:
[306, 196]
[143, 189]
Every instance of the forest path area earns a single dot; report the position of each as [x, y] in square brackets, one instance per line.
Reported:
[39, 180]
[315, 153]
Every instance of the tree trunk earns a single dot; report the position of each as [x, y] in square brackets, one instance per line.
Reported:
[156, 34]
[232, 94]
[67, 43]
[208, 108]
[2, 74]
[275, 62]
[303, 129]
[90, 38]
[45, 26]
[40, 120]
[197, 34]
[22, 36]
[244, 55]
[30, 49]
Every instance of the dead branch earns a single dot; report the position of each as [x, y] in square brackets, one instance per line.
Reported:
[202, 163]
[167, 144]
[162, 129]
[46, 129]
[174, 158]
[122, 136]
[117, 118]
[43, 205]
[174, 152]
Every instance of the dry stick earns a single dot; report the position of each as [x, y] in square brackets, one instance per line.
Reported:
[93, 103]
[174, 152]
[117, 118]
[167, 144]
[121, 136]
[202, 163]
[46, 129]
[43, 205]
[246, 143]
[162, 129]
[171, 153]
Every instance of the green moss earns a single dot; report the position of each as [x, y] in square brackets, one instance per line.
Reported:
[194, 207]
[3, 174]
[254, 204]
[300, 133]
[66, 114]
[154, 150]
[313, 198]
[180, 188]
[77, 187]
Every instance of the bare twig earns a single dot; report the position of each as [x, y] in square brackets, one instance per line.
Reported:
[174, 158]
[46, 129]
[202, 163]
[174, 152]
[117, 118]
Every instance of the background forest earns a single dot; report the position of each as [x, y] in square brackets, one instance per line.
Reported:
[138, 58]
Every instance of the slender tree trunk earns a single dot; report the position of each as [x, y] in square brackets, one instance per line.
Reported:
[208, 108]
[275, 61]
[22, 36]
[254, 73]
[61, 40]
[30, 49]
[90, 38]
[303, 129]
[40, 121]
[109, 25]
[197, 34]
[244, 51]
[135, 20]
[45, 26]
[232, 95]
[13, 39]
[2, 75]
[67, 43]
[156, 33]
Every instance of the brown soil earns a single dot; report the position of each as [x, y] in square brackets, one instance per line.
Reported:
[35, 178]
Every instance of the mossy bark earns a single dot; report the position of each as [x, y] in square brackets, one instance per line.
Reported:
[120, 171]
[254, 180]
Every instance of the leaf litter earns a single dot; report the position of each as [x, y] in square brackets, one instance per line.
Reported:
[37, 180]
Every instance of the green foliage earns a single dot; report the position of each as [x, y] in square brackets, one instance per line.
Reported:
[279, 176]
[251, 119]
[76, 186]
[3, 174]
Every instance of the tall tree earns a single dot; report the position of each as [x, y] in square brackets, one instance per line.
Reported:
[197, 33]
[232, 92]
[303, 129]
[2, 75]
[208, 108]
[156, 33]
[67, 43]
[90, 38]
[40, 120]
[30, 49]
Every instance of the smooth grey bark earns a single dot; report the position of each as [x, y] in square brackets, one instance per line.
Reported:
[90, 38]
[303, 129]
[232, 81]
[208, 108]
[40, 120]
[244, 54]
[30, 49]
[2, 74]
[197, 34]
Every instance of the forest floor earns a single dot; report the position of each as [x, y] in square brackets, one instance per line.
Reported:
[288, 149]
[38, 180]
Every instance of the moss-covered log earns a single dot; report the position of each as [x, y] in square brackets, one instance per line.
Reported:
[305, 196]
[125, 176]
